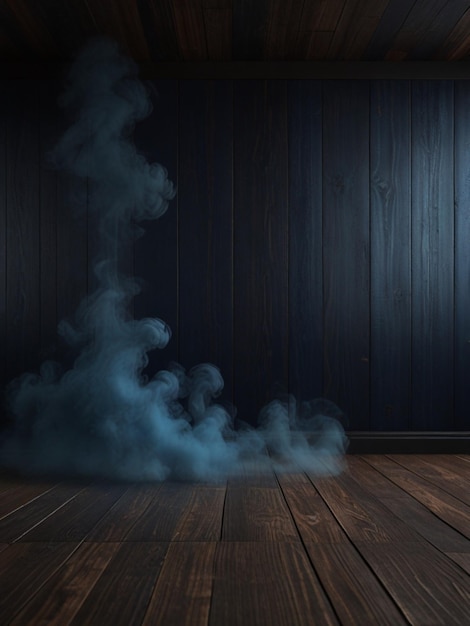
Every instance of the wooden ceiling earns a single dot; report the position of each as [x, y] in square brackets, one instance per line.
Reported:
[239, 30]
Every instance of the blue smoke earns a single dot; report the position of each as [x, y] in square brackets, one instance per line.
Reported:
[101, 417]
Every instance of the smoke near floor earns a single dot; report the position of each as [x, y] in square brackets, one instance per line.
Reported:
[102, 417]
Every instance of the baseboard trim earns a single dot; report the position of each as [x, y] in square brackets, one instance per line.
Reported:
[421, 442]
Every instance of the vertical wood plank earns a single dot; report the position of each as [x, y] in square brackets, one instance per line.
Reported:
[346, 262]
[432, 254]
[72, 263]
[305, 239]
[260, 244]
[155, 253]
[72, 253]
[49, 129]
[3, 238]
[205, 226]
[390, 266]
[23, 241]
[462, 255]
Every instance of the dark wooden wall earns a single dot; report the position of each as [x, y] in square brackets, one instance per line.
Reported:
[318, 244]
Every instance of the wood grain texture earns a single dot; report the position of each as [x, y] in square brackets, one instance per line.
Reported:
[446, 507]
[433, 471]
[457, 43]
[425, 523]
[317, 28]
[16, 497]
[432, 255]
[182, 594]
[430, 599]
[255, 514]
[205, 217]
[305, 239]
[202, 520]
[415, 514]
[288, 283]
[189, 25]
[25, 567]
[462, 559]
[284, 22]
[122, 592]
[367, 546]
[426, 27]
[438, 30]
[390, 261]
[313, 518]
[121, 517]
[351, 592]
[76, 518]
[33, 512]
[266, 583]
[387, 28]
[61, 596]
[346, 248]
[182, 30]
[355, 27]
[162, 517]
[260, 245]
[362, 516]
[462, 254]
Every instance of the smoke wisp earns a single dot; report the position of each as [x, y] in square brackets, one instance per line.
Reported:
[102, 417]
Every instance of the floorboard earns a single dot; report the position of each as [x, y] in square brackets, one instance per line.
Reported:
[267, 583]
[17, 496]
[445, 506]
[385, 542]
[60, 598]
[183, 591]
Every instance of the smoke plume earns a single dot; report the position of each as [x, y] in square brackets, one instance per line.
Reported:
[102, 417]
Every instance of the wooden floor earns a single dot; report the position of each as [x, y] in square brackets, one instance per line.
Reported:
[387, 542]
